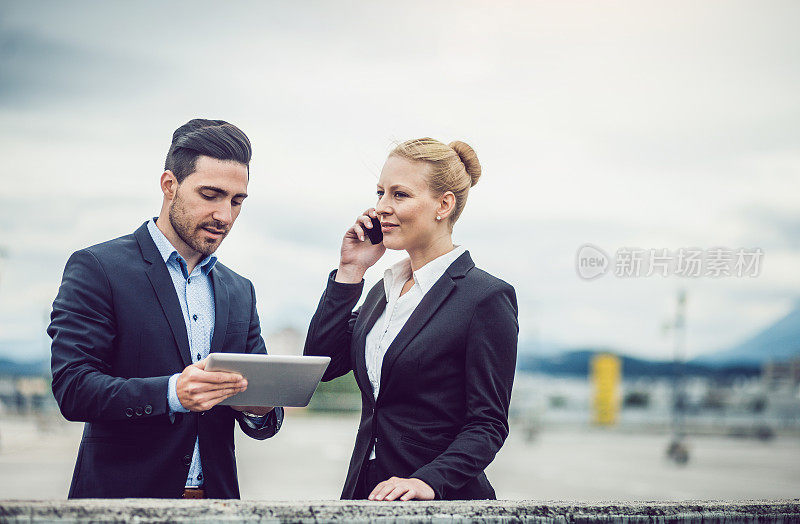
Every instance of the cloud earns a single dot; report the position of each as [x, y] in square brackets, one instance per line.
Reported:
[43, 70]
[772, 228]
[621, 125]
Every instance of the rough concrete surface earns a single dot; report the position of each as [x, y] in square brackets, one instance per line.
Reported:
[202, 511]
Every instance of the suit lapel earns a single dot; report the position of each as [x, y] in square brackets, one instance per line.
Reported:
[372, 312]
[221, 306]
[165, 291]
[422, 313]
[429, 304]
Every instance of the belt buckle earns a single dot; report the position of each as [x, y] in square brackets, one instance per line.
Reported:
[193, 493]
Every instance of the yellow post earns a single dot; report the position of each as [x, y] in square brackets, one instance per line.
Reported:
[605, 371]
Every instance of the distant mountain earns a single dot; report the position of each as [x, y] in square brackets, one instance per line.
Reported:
[576, 363]
[780, 341]
[16, 369]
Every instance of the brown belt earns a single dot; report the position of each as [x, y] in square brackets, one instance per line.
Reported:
[194, 493]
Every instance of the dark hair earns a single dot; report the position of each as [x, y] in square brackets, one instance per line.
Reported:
[214, 138]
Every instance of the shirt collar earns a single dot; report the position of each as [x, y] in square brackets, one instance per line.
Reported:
[425, 277]
[396, 273]
[168, 251]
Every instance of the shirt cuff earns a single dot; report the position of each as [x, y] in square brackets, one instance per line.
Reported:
[175, 405]
[342, 290]
[257, 423]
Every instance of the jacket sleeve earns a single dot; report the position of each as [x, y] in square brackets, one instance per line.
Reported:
[82, 328]
[491, 355]
[255, 344]
[331, 326]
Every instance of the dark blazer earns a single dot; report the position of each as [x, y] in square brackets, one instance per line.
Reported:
[118, 335]
[442, 411]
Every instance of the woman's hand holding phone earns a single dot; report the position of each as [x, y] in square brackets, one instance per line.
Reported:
[358, 252]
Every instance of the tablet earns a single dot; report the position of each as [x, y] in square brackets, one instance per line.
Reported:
[272, 380]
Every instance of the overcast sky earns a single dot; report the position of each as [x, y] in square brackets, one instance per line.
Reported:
[621, 124]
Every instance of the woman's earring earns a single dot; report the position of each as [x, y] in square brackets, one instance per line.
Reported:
[438, 217]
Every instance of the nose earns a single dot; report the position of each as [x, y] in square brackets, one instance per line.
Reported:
[381, 207]
[223, 214]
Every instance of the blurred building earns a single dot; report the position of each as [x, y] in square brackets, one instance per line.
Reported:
[746, 406]
[25, 395]
[780, 375]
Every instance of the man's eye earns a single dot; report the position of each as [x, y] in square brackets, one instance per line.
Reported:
[235, 203]
[207, 197]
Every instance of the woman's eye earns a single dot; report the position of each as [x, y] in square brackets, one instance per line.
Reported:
[380, 194]
[400, 194]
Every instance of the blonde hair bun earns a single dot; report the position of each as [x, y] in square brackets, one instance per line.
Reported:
[454, 167]
[469, 159]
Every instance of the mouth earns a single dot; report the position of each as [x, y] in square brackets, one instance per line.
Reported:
[215, 233]
[388, 226]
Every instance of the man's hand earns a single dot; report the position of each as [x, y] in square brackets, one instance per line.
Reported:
[255, 410]
[406, 489]
[201, 390]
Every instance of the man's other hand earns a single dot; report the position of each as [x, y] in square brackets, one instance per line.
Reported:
[255, 410]
[201, 390]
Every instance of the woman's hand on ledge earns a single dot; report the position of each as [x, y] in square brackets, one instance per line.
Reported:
[405, 489]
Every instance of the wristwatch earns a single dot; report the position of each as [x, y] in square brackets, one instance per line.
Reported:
[253, 415]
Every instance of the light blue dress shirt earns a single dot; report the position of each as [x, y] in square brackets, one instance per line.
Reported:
[196, 296]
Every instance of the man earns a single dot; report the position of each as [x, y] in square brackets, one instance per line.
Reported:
[133, 322]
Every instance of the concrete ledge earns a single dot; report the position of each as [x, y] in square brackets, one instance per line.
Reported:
[159, 510]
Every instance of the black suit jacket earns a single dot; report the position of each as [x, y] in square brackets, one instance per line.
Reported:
[442, 411]
[118, 335]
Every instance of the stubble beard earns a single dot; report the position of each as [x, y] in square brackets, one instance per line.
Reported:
[190, 233]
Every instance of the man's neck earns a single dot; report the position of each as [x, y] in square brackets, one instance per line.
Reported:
[191, 256]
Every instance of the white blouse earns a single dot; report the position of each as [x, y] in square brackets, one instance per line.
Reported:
[399, 308]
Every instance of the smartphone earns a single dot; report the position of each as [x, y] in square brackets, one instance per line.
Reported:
[375, 234]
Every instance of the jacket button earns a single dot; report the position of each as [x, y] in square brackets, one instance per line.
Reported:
[139, 411]
[128, 412]
[187, 459]
[148, 409]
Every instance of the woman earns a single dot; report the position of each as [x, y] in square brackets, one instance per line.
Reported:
[433, 347]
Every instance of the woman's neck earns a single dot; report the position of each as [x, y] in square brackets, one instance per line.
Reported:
[438, 247]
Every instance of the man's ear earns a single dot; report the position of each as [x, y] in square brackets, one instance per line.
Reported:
[169, 184]
[447, 203]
